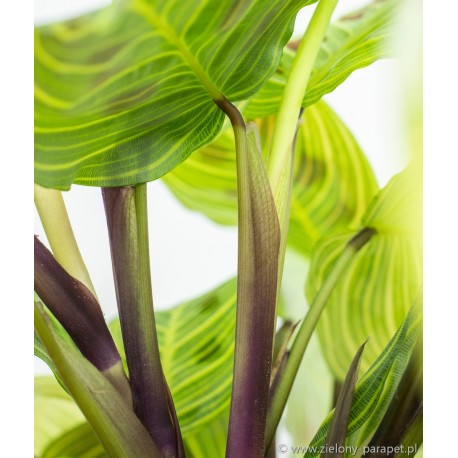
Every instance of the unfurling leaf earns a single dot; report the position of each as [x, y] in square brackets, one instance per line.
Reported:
[259, 242]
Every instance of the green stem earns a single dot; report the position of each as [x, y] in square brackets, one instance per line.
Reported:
[281, 394]
[54, 217]
[295, 88]
[280, 167]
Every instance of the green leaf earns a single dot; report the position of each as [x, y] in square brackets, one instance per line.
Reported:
[337, 431]
[56, 435]
[55, 412]
[210, 441]
[125, 94]
[117, 427]
[372, 297]
[79, 442]
[405, 407]
[333, 181]
[353, 42]
[377, 387]
[196, 342]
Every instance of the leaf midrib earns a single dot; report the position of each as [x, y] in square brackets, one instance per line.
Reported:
[148, 12]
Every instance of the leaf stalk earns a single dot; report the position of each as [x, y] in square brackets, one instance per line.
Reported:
[281, 394]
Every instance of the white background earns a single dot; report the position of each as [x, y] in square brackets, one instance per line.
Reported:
[440, 215]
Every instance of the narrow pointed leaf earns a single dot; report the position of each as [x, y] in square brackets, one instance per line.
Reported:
[373, 296]
[378, 385]
[405, 406]
[355, 41]
[259, 241]
[125, 94]
[79, 442]
[338, 428]
[119, 430]
[125, 210]
[333, 181]
[75, 307]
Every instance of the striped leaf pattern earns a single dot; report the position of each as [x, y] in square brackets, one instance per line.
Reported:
[377, 387]
[333, 181]
[353, 42]
[55, 412]
[79, 442]
[209, 442]
[125, 94]
[374, 294]
[196, 342]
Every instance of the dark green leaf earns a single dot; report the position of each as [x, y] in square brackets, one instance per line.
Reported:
[405, 406]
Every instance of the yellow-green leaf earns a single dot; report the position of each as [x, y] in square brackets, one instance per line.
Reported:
[125, 94]
[377, 386]
[373, 295]
[333, 181]
[355, 41]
